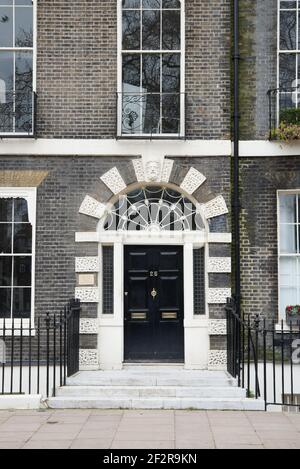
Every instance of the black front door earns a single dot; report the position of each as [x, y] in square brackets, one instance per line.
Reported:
[154, 303]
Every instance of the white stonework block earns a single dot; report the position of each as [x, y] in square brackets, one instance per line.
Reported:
[92, 207]
[89, 326]
[218, 295]
[217, 327]
[192, 181]
[215, 207]
[139, 170]
[88, 357]
[217, 360]
[167, 170]
[87, 294]
[219, 265]
[114, 181]
[87, 264]
[86, 280]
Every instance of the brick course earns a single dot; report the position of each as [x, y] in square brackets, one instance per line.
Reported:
[260, 180]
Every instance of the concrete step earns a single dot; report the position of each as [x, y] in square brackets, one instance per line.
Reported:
[151, 377]
[156, 403]
[132, 392]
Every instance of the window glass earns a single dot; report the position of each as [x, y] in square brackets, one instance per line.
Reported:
[131, 3]
[131, 73]
[151, 83]
[6, 27]
[151, 73]
[131, 30]
[288, 21]
[287, 71]
[288, 209]
[23, 2]
[21, 211]
[5, 238]
[22, 271]
[171, 73]
[15, 266]
[5, 271]
[289, 251]
[5, 302]
[21, 303]
[151, 29]
[171, 29]
[151, 3]
[24, 27]
[16, 66]
[6, 206]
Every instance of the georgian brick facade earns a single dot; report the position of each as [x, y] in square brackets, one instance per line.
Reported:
[76, 85]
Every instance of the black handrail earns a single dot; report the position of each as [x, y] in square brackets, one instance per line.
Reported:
[146, 115]
[259, 349]
[18, 114]
[41, 355]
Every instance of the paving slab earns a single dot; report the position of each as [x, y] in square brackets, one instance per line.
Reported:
[49, 444]
[92, 443]
[143, 445]
[88, 429]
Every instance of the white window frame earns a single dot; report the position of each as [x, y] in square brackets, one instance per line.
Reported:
[281, 52]
[182, 79]
[279, 194]
[30, 195]
[32, 49]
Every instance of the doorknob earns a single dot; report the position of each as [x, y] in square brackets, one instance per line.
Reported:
[126, 293]
[154, 293]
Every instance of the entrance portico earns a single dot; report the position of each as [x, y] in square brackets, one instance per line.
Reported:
[132, 221]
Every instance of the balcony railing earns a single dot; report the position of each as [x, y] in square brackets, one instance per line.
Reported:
[284, 113]
[151, 115]
[17, 114]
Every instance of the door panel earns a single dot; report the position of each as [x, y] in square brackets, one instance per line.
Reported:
[154, 303]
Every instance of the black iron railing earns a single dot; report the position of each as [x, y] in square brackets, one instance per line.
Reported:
[18, 114]
[150, 115]
[264, 357]
[284, 113]
[36, 358]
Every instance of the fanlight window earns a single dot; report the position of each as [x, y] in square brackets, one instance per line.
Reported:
[154, 209]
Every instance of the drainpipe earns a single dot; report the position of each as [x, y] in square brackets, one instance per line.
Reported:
[236, 169]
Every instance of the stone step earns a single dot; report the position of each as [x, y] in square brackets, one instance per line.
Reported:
[131, 392]
[158, 403]
[155, 377]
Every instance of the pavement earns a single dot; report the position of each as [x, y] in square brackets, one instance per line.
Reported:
[151, 429]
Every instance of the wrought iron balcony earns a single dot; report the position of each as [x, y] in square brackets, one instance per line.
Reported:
[151, 115]
[284, 113]
[17, 114]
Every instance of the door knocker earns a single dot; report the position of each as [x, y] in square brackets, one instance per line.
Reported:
[154, 293]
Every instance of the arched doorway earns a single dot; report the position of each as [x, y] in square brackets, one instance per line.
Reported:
[152, 221]
[174, 227]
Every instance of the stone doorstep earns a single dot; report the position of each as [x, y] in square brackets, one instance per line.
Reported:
[176, 403]
[151, 391]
